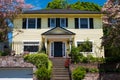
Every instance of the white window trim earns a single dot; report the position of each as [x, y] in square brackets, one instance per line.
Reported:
[50, 22]
[79, 22]
[84, 41]
[61, 22]
[29, 44]
[27, 27]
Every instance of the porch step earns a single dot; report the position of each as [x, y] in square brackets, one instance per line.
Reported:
[59, 71]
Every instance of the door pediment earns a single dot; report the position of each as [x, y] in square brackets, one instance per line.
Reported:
[58, 31]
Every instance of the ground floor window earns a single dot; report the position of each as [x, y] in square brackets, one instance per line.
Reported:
[85, 46]
[31, 46]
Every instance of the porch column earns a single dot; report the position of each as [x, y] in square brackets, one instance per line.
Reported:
[46, 43]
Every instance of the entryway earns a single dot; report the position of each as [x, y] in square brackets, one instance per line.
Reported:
[58, 49]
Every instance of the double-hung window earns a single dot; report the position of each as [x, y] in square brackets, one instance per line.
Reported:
[31, 46]
[62, 22]
[31, 23]
[84, 23]
[57, 22]
[52, 22]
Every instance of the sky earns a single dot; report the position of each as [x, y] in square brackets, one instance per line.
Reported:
[40, 4]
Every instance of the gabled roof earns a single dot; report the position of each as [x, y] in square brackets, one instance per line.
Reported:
[59, 11]
[58, 31]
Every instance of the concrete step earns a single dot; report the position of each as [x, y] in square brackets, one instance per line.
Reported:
[59, 71]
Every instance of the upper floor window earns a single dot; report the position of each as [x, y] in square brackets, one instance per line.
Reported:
[52, 22]
[84, 23]
[31, 23]
[57, 22]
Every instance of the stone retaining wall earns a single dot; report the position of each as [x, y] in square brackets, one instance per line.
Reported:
[97, 76]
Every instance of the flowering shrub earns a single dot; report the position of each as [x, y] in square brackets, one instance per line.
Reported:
[67, 62]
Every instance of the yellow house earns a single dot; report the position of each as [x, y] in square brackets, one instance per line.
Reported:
[57, 30]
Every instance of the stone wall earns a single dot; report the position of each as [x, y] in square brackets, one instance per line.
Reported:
[99, 76]
[102, 76]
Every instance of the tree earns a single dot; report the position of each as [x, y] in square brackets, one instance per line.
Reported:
[57, 4]
[61, 4]
[111, 28]
[88, 6]
[8, 11]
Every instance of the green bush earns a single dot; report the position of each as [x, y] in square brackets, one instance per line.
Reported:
[3, 53]
[78, 73]
[43, 74]
[44, 65]
[39, 59]
[76, 55]
[50, 65]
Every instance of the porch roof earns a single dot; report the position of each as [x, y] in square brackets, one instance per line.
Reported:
[58, 31]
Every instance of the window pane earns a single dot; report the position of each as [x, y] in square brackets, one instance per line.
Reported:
[31, 48]
[52, 22]
[85, 46]
[83, 23]
[63, 22]
[31, 22]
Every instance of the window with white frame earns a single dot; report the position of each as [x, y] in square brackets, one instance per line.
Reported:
[57, 22]
[31, 46]
[62, 22]
[31, 23]
[52, 22]
[85, 46]
[84, 23]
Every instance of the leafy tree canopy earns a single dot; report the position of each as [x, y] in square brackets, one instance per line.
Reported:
[61, 4]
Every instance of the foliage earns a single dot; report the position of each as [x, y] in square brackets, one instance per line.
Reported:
[67, 63]
[44, 65]
[57, 4]
[75, 54]
[78, 73]
[85, 46]
[8, 10]
[3, 53]
[39, 60]
[112, 59]
[88, 6]
[61, 4]
[43, 74]
[92, 70]
[111, 20]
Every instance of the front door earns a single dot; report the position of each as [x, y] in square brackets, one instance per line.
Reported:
[58, 49]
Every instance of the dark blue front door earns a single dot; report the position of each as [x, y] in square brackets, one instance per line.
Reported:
[57, 49]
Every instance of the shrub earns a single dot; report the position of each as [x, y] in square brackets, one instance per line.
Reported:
[39, 59]
[44, 65]
[78, 73]
[50, 65]
[43, 74]
[75, 55]
[3, 53]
